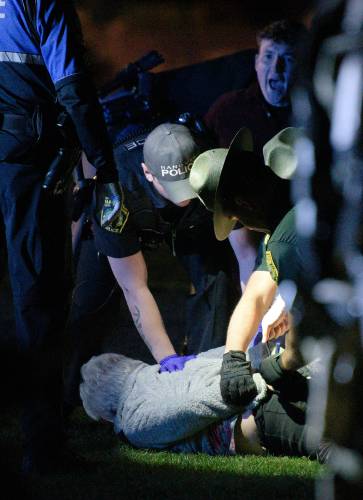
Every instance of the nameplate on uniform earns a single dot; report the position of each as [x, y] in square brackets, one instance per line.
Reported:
[129, 146]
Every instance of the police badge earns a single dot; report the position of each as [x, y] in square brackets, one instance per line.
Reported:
[111, 212]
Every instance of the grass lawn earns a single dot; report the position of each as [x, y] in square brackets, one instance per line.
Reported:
[121, 472]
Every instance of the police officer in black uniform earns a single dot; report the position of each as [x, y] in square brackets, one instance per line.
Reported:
[41, 73]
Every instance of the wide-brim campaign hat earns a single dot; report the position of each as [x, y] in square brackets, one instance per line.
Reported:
[279, 153]
[209, 168]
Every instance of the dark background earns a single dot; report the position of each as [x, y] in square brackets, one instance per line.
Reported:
[184, 32]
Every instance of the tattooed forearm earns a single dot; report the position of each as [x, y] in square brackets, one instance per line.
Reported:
[136, 316]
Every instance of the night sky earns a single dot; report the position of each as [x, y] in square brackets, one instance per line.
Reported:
[187, 32]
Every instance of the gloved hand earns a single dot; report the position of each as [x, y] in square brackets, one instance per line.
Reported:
[111, 212]
[292, 383]
[271, 370]
[237, 385]
[174, 363]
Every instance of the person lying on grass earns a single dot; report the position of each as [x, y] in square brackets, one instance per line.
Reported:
[184, 411]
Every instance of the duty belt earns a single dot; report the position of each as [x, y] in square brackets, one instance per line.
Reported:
[15, 123]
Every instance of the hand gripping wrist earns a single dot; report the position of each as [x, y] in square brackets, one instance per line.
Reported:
[237, 385]
[291, 382]
[271, 370]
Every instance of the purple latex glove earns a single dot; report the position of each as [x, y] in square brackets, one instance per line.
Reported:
[174, 363]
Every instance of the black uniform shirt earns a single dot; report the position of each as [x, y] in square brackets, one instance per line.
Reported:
[187, 229]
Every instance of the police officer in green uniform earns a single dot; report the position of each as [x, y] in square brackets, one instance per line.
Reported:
[280, 256]
[236, 185]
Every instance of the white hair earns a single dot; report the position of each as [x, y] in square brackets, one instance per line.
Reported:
[104, 378]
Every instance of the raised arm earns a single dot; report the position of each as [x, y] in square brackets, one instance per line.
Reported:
[237, 385]
[254, 303]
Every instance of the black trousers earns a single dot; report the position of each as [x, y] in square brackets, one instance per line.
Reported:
[281, 421]
[37, 238]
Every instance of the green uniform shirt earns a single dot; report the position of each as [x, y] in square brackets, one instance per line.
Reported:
[280, 253]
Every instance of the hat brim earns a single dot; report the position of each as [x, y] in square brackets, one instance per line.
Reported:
[178, 191]
[241, 142]
[222, 225]
[279, 153]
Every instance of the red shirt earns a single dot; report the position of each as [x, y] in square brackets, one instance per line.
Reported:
[246, 108]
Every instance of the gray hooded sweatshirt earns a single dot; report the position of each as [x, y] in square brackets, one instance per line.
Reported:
[173, 410]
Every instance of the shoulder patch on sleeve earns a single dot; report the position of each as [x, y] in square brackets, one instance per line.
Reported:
[271, 265]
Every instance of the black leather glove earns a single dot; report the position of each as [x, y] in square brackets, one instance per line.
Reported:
[271, 370]
[237, 385]
[293, 384]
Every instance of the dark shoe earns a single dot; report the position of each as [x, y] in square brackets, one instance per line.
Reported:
[66, 462]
